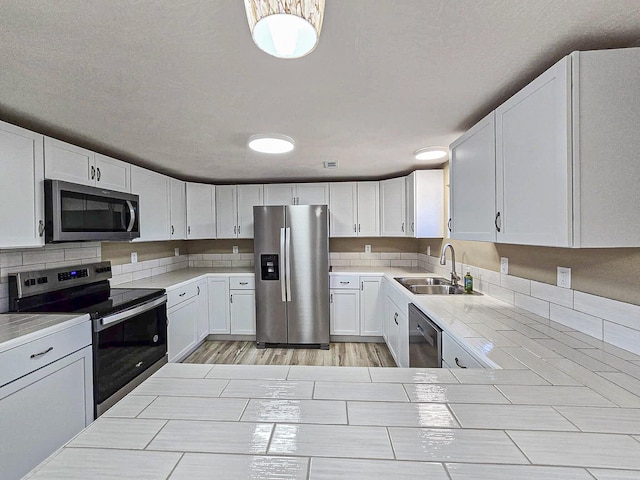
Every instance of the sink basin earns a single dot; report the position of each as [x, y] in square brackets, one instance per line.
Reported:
[430, 286]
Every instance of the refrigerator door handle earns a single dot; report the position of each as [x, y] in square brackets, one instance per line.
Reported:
[282, 260]
[288, 260]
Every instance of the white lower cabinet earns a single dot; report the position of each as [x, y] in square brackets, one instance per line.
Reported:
[242, 309]
[218, 293]
[345, 312]
[203, 309]
[455, 356]
[371, 306]
[41, 411]
[397, 332]
[182, 331]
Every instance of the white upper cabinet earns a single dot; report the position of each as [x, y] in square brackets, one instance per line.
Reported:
[155, 203]
[296, 194]
[392, 207]
[112, 174]
[533, 162]
[343, 209]
[70, 163]
[234, 207]
[354, 209]
[21, 187]
[368, 209]
[425, 204]
[201, 211]
[249, 196]
[178, 214]
[473, 183]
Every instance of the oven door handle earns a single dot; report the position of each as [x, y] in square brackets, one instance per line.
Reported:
[106, 322]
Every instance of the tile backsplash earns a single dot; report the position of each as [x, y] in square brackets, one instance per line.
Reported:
[611, 321]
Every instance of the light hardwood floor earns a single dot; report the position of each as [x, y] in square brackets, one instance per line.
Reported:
[339, 354]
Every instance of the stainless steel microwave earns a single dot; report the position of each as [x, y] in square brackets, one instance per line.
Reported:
[76, 213]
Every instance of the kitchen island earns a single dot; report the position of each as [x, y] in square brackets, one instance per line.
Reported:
[563, 405]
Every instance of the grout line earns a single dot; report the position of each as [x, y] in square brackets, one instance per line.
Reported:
[176, 465]
[518, 447]
[157, 433]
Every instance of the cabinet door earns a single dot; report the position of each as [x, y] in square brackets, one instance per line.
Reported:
[392, 210]
[112, 174]
[182, 331]
[428, 204]
[533, 162]
[153, 189]
[402, 352]
[218, 292]
[279, 194]
[178, 210]
[410, 192]
[472, 183]
[63, 161]
[242, 307]
[368, 209]
[343, 213]
[371, 307]
[42, 411]
[392, 329]
[455, 356]
[226, 211]
[201, 216]
[345, 312]
[249, 196]
[21, 187]
[203, 309]
[312, 194]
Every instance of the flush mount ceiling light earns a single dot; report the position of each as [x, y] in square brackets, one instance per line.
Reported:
[430, 153]
[285, 28]
[272, 143]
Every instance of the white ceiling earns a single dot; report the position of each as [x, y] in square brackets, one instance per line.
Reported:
[178, 85]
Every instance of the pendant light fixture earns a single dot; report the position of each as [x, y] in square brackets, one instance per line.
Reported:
[285, 28]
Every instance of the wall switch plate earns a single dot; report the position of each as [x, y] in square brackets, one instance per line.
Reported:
[134, 257]
[235, 249]
[504, 265]
[564, 277]
[367, 249]
[429, 250]
[176, 252]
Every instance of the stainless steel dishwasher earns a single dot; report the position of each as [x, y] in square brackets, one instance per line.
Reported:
[425, 340]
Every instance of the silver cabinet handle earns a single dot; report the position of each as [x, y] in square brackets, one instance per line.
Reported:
[403, 226]
[412, 228]
[361, 285]
[182, 294]
[238, 229]
[231, 298]
[354, 228]
[235, 229]
[41, 228]
[331, 298]
[345, 283]
[459, 364]
[188, 230]
[98, 174]
[496, 221]
[449, 224]
[37, 355]
[93, 172]
[244, 283]
[358, 228]
[198, 287]
[172, 230]
[395, 318]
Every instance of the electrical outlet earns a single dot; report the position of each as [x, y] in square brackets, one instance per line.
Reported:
[564, 277]
[134, 257]
[504, 265]
[367, 249]
[176, 252]
[235, 249]
[428, 250]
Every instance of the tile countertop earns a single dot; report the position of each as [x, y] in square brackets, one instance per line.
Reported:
[19, 328]
[564, 406]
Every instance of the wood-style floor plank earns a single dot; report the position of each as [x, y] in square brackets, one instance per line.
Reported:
[339, 354]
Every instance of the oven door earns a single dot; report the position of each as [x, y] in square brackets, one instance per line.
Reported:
[78, 213]
[127, 347]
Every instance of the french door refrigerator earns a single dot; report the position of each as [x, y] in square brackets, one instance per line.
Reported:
[291, 245]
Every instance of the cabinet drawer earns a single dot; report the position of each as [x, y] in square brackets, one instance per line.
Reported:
[180, 294]
[242, 283]
[455, 356]
[345, 281]
[26, 358]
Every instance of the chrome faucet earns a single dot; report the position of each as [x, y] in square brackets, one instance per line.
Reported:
[443, 261]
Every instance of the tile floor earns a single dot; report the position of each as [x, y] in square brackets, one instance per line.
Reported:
[260, 422]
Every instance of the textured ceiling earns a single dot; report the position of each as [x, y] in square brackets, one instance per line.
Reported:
[179, 86]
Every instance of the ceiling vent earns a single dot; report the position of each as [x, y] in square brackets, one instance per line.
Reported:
[330, 164]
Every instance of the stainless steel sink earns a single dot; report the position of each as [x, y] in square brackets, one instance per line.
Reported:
[430, 286]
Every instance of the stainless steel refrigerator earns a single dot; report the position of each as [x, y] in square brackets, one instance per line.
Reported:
[291, 245]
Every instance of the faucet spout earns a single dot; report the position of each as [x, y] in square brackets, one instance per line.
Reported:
[443, 261]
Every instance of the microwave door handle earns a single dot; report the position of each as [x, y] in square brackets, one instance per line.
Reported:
[132, 216]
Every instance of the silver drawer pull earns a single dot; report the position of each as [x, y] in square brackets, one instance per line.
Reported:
[345, 283]
[37, 355]
[459, 364]
[182, 294]
[244, 283]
